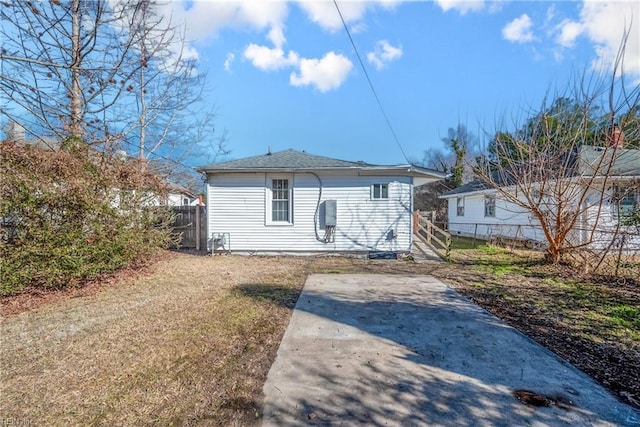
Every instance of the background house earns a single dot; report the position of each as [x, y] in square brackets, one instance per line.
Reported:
[477, 209]
[293, 201]
[180, 196]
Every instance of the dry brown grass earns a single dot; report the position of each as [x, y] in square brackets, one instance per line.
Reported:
[190, 341]
[178, 347]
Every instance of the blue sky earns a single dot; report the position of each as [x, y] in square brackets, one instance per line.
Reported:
[285, 75]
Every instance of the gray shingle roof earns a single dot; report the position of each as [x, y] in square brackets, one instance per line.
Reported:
[288, 159]
[584, 162]
[626, 161]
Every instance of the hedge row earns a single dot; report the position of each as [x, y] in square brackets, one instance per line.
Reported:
[66, 217]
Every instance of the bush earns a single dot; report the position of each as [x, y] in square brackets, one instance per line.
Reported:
[69, 216]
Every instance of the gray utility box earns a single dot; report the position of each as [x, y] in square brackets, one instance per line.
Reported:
[330, 212]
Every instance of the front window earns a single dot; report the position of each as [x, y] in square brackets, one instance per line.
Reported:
[280, 200]
[380, 191]
[460, 204]
[625, 201]
[490, 206]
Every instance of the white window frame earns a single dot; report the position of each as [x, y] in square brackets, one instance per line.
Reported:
[621, 194]
[382, 187]
[269, 199]
[460, 206]
[490, 202]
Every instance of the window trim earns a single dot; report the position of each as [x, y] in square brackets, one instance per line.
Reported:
[489, 202]
[270, 178]
[460, 206]
[382, 186]
[620, 194]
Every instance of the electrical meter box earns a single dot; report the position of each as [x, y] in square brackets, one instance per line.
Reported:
[330, 212]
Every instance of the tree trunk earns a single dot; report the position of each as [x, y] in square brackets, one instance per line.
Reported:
[75, 125]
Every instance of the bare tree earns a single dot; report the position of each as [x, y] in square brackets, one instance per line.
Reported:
[168, 94]
[65, 64]
[560, 165]
[113, 73]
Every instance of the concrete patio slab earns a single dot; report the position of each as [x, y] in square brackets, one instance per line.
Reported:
[399, 350]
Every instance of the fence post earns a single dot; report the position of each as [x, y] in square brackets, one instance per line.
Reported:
[475, 236]
[198, 226]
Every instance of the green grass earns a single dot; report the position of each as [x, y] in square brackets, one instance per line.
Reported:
[625, 316]
[460, 243]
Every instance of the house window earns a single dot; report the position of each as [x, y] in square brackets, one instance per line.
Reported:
[185, 201]
[460, 204]
[625, 201]
[280, 201]
[380, 191]
[490, 206]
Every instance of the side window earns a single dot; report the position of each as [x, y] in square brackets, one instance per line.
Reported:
[490, 206]
[625, 200]
[280, 200]
[460, 205]
[380, 191]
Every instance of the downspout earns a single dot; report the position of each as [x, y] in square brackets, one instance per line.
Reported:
[411, 215]
[315, 215]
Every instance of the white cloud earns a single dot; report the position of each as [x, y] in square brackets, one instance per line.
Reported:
[228, 61]
[519, 30]
[604, 24]
[325, 14]
[569, 32]
[270, 59]
[276, 35]
[324, 74]
[206, 18]
[383, 54]
[462, 6]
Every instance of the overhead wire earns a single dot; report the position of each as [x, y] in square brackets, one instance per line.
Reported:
[373, 89]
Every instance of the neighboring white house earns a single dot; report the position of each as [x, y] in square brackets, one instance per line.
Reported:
[292, 201]
[477, 210]
[180, 196]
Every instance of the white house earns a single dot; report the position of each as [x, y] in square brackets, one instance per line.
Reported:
[292, 201]
[180, 196]
[477, 209]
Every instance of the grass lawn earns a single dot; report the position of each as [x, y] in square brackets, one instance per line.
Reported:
[190, 340]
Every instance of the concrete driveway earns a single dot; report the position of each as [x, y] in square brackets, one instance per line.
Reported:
[398, 350]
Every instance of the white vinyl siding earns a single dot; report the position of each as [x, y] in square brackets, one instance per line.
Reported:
[238, 204]
[514, 221]
[508, 220]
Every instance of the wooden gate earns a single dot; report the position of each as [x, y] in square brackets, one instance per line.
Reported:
[191, 223]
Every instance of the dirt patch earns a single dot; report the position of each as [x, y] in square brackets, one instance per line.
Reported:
[593, 324]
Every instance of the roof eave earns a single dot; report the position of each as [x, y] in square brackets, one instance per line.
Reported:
[405, 170]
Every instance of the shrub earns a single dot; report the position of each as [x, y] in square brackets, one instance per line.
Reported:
[67, 216]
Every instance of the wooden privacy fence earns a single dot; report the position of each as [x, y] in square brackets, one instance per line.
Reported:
[190, 222]
[437, 238]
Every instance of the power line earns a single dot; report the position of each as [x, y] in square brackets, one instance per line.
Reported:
[375, 94]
